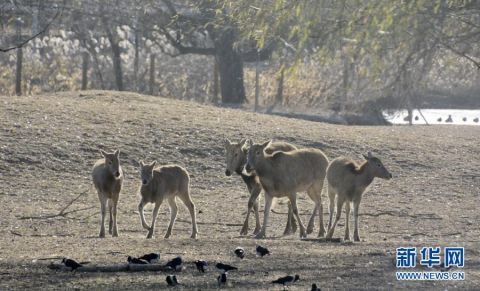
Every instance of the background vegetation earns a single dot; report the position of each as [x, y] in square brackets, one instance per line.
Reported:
[309, 56]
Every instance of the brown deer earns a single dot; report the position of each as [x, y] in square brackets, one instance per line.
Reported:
[348, 181]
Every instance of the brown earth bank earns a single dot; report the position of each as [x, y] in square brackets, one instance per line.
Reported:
[48, 145]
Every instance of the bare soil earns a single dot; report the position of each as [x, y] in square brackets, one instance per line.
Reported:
[48, 145]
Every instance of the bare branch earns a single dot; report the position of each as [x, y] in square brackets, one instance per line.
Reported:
[59, 12]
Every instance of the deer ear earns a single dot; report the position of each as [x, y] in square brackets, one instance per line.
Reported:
[242, 142]
[227, 142]
[365, 157]
[104, 153]
[369, 155]
[117, 152]
[141, 163]
[249, 142]
[153, 164]
[266, 144]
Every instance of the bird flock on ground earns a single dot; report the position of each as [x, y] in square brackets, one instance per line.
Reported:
[449, 119]
[177, 264]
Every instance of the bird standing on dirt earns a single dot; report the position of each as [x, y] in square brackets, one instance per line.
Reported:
[262, 251]
[171, 280]
[239, 252]
[175, 264]
[151, 258]
[201, 265]
[287, 280]
[71, 264]
[136, 261]
[449, 119]
[224, 268]
[222, 279]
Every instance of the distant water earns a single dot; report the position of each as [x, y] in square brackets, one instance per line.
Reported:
[432, 116]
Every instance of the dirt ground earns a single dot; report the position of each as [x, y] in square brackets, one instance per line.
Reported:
[48, 145]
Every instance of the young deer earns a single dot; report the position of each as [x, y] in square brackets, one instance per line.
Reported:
[107, 177]
[236, 158]
[165, 182]
[348, 181]
[283, 174]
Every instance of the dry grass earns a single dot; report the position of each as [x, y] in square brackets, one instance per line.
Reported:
[48, 145]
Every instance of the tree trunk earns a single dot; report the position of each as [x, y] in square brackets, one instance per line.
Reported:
[279, 96]
[85, 61]
[215, 82]
[230, 68]
[257, 83]
[136, 59]
[345, 79]
[117, 65]
[152, 74]
[18, 74]
[116, 52]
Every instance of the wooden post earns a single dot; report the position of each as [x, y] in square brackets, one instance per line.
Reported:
[216, 82]
[152, 74]
[18, 73]
[257, 82]
[279, 97]
[137, 53]
[85, 61]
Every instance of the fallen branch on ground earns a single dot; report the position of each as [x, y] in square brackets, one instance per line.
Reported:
[322, 239]
[62, 212]
[112, 268]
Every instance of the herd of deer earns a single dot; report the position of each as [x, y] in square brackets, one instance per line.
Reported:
[279, 168]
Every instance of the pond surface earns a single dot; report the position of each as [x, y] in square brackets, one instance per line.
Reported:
[437, 116]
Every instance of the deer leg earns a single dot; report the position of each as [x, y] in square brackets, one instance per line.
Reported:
[293, 200]
[191, 208]
[154, 219]
[113, 213]
[347, 220]
[252, 204]
[110, 222]
[103, 212]
[356, 205]
[290, 221]
[173, 215]
[141, 205]
[268, 206]
[331, 196]
[340, 201]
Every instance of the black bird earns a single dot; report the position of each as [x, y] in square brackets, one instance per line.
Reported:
[222, 279]
[201, 265]
[416, 118]
[475, 119]
[449, 119]
[151, 258]
[175, 264]
[464, 119]
[315, 288]
[136, 261]
[439, 119]
[71, 264]
[261, 251]
[240, 252]
[287, 280]
[171, 280]
[224, 268]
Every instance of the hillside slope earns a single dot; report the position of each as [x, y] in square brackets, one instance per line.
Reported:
[49, 143]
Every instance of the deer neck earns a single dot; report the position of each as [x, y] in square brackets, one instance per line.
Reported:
[365, 175]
